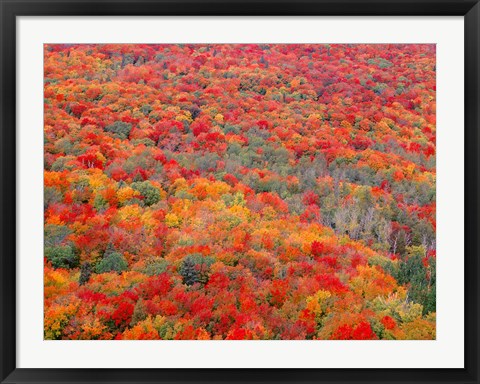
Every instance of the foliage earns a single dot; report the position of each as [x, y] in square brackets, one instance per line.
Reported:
[62, 256]
[150, 194]
[112, 262]
[120, 129]
[85, 273]
[240, 191]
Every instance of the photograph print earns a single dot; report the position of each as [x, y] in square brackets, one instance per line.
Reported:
[239, 192]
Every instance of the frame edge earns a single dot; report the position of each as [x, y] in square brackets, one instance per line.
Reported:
[8, 192]
[472, 179]
[8, 371]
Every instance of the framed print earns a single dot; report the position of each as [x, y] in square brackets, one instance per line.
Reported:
[241, 191]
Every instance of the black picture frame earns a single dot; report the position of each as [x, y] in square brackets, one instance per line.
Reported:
[469, 9]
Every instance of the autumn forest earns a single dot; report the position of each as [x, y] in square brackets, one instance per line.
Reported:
[239, 191]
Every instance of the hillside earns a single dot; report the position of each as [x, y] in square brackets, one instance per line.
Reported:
[239, 191]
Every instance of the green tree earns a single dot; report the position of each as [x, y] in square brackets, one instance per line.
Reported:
[64, 256]
[195, 269]
[120, 129]
[85, 273]
[146, 109]
[150, 193]
[111, 261]
[419, 277]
